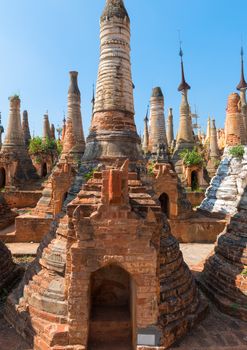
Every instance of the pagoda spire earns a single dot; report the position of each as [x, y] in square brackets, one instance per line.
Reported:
[183, 85]
[242, 87]
[185, 132]
[242, 84]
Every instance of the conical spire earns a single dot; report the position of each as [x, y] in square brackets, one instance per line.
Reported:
[113, 133]
[242, 84]
[25, 128]
[170, 130]
[14, 137]
[46, 128]
[114, 8]
[184, 85]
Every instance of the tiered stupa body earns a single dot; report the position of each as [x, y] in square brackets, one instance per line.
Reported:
[111, 273]
[242, 87]
[113, 131]
[25, 128]
[224, 277]
[74, 113]
[157, 135]
[15, 162]
[170, 129]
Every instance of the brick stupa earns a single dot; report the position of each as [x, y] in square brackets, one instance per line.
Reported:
[113, 131]
[185, 138]
[15, 162]
[25, 128]
[157, 134]
[110, 273]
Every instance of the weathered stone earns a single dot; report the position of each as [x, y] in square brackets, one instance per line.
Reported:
[226, 188]
[224, 277]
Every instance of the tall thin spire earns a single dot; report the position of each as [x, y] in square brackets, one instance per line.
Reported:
[242, 84]
[184, 85]
[145, 144]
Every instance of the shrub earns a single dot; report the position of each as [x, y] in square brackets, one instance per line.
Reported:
[37, 145]
[151, 168]
[191, 158]
[88, 176]
[237, 151]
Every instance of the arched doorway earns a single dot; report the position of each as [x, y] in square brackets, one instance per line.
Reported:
[111, 304]
[44, 170]
[194, 180]
[2, 178]
[165, 204]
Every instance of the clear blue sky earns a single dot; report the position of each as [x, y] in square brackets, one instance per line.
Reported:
[42, 40]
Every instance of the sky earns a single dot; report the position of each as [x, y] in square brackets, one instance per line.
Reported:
[42, 40]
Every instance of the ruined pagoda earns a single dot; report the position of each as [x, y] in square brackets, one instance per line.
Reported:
[15, 162]
[74, 114]
[145, 143]
[214, 154]
[224, 278]
[185, 138]
[242, 87]
[25, 128]
[170, 129]
[113, 131]
[157, 134]
[234, 121]
[109, 272]
[46, 128]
